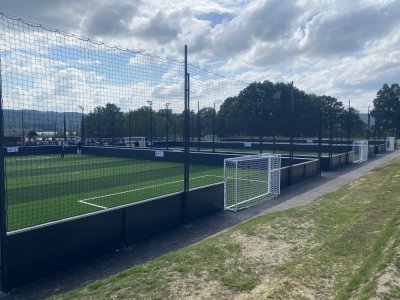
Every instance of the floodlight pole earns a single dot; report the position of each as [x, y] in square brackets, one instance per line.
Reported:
[151, 122]
[82, 126]
[166, 122]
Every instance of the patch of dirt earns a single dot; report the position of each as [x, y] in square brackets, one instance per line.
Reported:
[198, 287]
[273, 287]
[271, 252]
[389, 279]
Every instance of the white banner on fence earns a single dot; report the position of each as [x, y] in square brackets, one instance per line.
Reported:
[159, 153]
[12, 149]
[247, 144]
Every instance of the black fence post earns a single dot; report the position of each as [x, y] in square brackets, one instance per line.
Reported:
[186, 150]
[213, 130]
[3, 204]
[369, 124]
[198, 126]
[166, 125]
[330, 137]
[130, 128]
[291, 135]
[349, 126]
[320, 138]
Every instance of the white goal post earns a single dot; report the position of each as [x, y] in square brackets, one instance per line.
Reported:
[360, 151]
[135, 141]
[251, 179]
[390, 143]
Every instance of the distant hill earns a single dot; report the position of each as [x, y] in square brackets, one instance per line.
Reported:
[40, 121]
[364, 118]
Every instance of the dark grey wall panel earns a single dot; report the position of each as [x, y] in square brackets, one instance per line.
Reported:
[37, 252]
[206, 201]
[147, 219]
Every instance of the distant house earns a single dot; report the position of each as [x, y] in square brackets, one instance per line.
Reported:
[32, 136]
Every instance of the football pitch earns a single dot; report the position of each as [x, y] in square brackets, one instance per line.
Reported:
[47, 188]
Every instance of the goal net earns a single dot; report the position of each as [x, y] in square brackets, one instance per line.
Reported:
[390, 143]
[135, 141]
[360, 151]
[251, 179]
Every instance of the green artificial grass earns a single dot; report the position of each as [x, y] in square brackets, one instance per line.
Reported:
[46, 188]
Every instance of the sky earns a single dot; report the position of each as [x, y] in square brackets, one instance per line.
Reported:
[345, 49]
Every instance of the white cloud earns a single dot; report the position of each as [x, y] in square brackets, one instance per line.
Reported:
[346, 49]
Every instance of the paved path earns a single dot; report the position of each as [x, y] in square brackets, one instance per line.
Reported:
[337, 179]
[107, 265]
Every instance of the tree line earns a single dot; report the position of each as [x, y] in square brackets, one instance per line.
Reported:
[261, 109]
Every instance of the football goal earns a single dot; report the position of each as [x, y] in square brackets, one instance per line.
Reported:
[251, 179]
[360, 151]
[135, 141]
[390, 143]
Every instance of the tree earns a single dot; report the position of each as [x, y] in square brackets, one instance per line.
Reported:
[105, 122]
[386, 109]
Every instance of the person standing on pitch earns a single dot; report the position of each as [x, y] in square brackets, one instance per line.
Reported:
[62, 149]
[79, 147]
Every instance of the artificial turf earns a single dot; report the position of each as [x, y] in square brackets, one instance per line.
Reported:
[46, 188]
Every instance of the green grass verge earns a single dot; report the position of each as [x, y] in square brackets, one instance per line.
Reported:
[343, 245]
[46, 188]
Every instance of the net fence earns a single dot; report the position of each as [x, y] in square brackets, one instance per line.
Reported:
[88, 126]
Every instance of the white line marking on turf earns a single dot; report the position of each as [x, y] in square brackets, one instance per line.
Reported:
[95, 205]
[85, 201]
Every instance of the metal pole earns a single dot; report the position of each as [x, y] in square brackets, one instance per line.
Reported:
[82, 126]
[291, 135]
[213, 130]
[369, 124]
[260, 118]
[151, 123]
[166, 123]
[3, 204]
[130, 128]
[320, 138]
[186, 151]
[276, 97]
[330, 136]
[198, 126]
[23, 125]
[349, 126]
[65, 129]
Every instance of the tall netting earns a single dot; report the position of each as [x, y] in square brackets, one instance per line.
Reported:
[208, 92]
[251, 179]
[72, 110]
